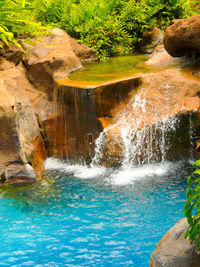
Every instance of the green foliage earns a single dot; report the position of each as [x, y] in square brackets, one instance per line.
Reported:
[192, 206]
[195, 4]
[110, 27]
[7, 23]
[13, 20]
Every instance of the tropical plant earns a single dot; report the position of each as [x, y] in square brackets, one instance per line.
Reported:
[11, 20]
[195, 4]
[192, 206]
[110, 27]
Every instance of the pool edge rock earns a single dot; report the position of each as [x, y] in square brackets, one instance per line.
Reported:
[26, 89]
[174, 250]
[183, 36]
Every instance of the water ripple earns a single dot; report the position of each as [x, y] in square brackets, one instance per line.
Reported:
[106, 218]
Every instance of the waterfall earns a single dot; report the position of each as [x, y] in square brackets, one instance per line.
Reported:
[123, 122]
[142, 142]
[74, 124]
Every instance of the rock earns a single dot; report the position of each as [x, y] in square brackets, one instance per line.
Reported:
[82, 51]
[20, 131]
[161, 59]
[56, 55]
[183, 37]
[150, 41]
[75, 125]
[146, 108]
[26, 107]
[174, 250]
[11, 53]
[18, 173]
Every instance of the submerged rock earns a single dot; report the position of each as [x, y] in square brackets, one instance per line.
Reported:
[183, 37]
[174, 250]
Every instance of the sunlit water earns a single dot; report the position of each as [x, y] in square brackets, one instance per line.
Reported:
[114, 68]
[91, 216]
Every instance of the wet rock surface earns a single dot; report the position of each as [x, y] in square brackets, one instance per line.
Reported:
[149, 111]
[18, 173]
[174, 250]
[26, 89]
[39, 119]
[183, 37]
[150, 41]
[75, 126]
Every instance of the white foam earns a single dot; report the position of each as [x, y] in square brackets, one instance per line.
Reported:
[125, 176]
[118, 177]
[138, 145]
[79, 171]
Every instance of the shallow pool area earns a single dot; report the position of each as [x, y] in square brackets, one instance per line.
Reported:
[114, 68]
[91, 216]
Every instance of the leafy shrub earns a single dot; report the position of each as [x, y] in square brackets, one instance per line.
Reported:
[11, 20]
[192, 206]
[195, 4]
[110, 27]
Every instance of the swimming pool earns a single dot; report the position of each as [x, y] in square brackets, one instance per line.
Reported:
[91, 216]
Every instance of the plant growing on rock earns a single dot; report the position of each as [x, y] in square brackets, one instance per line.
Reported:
[192, 206]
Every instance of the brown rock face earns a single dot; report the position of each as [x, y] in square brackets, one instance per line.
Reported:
[55, 56]
[164, 98]
[150, 41]
[19, 127]
[174, 250]
[183, 37]
[26, 104]
[11, 53]
[77, 106]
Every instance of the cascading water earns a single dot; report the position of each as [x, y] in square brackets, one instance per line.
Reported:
[144, 131]
[91, 215]
[140, 142]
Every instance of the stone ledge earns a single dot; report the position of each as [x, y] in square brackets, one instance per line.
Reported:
[174, 250]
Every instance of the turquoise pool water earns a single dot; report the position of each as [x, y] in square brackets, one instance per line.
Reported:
[81, 216]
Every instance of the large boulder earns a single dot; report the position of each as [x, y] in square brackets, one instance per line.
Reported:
[183, 37]
[174, 250]
[21, 140]
[56, 55]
